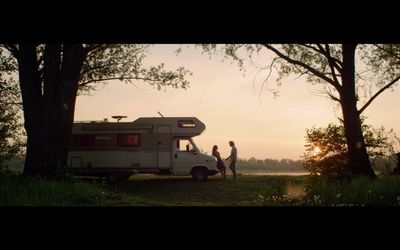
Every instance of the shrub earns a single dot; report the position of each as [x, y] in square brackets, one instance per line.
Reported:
[326, 148]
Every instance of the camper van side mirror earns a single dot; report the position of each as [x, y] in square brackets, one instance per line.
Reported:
[187, 148]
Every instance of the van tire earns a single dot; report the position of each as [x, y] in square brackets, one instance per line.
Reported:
[199, 174]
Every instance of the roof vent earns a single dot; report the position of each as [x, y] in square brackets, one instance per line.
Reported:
[118, 117]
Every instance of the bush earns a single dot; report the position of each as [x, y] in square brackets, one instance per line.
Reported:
[326, 149]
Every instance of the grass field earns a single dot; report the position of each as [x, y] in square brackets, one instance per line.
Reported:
[246, 190]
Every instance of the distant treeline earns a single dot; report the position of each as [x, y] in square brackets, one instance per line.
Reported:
[381, 165]
[269, 165]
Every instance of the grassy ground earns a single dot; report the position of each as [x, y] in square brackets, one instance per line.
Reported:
[19, 191]
[150, 190]
[177, 191]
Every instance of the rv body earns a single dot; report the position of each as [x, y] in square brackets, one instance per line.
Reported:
[147, 145]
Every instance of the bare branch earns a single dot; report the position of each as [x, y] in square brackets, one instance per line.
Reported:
[268, 76]
[326, 93]
[334, 97]
[378, 93]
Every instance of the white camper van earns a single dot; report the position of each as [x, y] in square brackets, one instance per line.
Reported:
[159, 145]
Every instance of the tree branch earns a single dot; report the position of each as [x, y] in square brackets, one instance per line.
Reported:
[268, 76]
[334, 97]
[116, 78]
[387, 51]
[378, 93]
[336, 63]
[325, 52]
[302, 64]
[93, 68]
[331, 63]
[92, 47]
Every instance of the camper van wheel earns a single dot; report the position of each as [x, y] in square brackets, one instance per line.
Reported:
[199, 174]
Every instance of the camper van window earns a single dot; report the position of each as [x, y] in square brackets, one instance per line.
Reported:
[186, 124]
[82, 140]
[184, 145]
[129, 140]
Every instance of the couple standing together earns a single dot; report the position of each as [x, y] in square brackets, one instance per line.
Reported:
[220, 163]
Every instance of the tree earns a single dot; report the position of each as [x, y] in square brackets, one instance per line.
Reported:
[334, 68]
[11, 135]
[50, 76]
[326, 152]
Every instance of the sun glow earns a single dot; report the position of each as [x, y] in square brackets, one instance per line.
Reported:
[317, 150]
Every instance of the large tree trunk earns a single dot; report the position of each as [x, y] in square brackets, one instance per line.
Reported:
[31, 92]
[49, 115]
[69, 75]
[359, 163]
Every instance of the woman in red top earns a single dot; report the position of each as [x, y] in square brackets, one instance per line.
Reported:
[220, 163]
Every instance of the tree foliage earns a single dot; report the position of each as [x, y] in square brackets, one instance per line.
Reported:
[378, 65]
[106, 62]
[11, 132]
[345, 73]
[50, 76]
[125, 62]
[326, 149]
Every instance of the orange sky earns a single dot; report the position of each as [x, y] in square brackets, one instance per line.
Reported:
[230, 106]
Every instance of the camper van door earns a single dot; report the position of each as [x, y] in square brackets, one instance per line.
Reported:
[164, 146]
[185, 156]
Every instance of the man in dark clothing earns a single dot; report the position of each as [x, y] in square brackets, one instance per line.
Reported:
[233, 158]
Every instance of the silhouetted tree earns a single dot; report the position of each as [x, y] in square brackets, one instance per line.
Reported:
[326, 149]
[334, 67]
[50, 76]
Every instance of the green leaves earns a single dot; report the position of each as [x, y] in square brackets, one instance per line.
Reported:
[383, 61]
[326, 149]
[125, 62]
[11, 133]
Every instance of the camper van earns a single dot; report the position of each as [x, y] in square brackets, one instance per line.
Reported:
[157, 145]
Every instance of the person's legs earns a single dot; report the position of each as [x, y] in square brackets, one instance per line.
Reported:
[232, 167]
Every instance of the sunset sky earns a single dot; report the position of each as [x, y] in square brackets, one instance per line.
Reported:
[231, 106]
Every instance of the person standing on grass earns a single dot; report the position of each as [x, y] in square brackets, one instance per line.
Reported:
[233, 158]
[220, 164]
